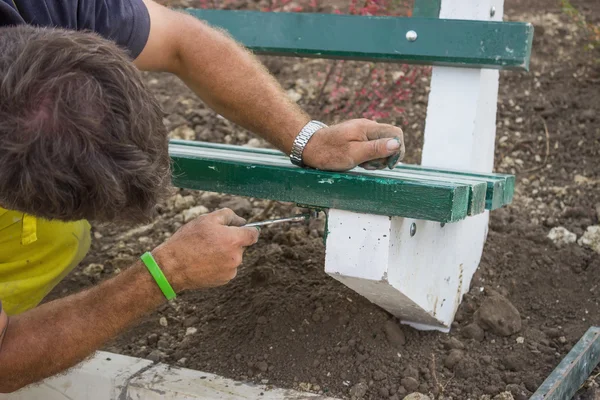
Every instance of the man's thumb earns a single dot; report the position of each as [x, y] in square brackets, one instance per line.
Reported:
[381, 148]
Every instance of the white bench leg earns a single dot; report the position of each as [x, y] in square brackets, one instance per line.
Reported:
[422, 278]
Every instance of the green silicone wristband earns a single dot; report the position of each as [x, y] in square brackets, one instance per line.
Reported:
[158, 275]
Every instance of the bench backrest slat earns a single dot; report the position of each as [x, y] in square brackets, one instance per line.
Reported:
[474, 44]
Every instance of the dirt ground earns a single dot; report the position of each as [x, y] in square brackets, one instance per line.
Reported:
[284, 322]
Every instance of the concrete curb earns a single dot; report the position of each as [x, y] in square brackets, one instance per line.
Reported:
[116, 377]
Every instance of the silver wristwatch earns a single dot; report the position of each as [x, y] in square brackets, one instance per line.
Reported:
[302, 139]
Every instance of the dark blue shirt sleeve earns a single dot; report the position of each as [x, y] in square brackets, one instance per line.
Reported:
[126, 22]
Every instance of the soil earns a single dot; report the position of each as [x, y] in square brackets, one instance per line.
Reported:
[284, 322]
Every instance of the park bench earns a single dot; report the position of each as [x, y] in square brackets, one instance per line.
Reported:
[408, 239]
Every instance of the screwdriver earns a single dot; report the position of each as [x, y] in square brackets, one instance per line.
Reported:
[295, 218]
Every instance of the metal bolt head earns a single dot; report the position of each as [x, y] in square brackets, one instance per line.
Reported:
[492, 11]
[411, 36]
[413, 229]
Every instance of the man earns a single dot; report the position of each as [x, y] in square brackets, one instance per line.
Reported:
[81, 138]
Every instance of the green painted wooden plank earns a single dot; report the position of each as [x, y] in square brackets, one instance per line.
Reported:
[498, 193]
[501, 187]
[462, 43]
[573, 370]
[274, 177]
[427, 8]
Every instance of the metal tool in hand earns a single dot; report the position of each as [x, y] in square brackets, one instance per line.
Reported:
[295, 218]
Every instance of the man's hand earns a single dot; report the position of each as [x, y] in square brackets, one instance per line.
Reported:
[206, 251]
[356, 142]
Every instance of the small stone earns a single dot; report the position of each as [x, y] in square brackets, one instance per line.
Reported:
[183, 132]
[453, 358]
[262, 366]
[98, 235]
[152, 339]
[591, 238]
[304, 386]
[498, 315]
[155, 355]
[190, 331]
[517, 391]
[473, 331]
[163, 321]
[261, 320]
[417, 396]
[93, 270]
[254, 142]
[359, 390]
[411, 384]
[182, 361]
[562, 340]
[316, 388]
[504, 396]
[520, 340]
[316, 363]
[384, 392]
[191, 321]
[293, 95]
[454, 343]
[239, 205]
[378, 375]
[194, 212]
[183, 202]
[394, 334]
[561, 236]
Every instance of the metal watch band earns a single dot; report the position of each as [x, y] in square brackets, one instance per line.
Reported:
[302, 140]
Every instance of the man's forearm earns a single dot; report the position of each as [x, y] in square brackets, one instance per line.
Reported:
[236, 85]
[59, 334]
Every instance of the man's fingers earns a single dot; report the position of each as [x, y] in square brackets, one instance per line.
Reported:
[375, 149]
[226, 216]
[375, 131]
[246, 236]
[373, 165]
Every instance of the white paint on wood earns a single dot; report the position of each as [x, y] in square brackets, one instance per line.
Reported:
[427, 275]
[108, 376]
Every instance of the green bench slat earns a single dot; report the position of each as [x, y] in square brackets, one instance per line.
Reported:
[499, 190]
[573, 370]
[273, 177]
[474, 44]
[500, 187]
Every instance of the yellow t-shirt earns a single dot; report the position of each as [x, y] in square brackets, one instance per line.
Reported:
[35, 255]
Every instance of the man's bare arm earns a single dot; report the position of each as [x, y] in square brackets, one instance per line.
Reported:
[236, 85]
[226, 76]
[57, 335]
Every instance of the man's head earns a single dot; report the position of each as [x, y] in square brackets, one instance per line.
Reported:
[80, 134]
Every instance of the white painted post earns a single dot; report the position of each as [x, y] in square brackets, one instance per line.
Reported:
[422, 278]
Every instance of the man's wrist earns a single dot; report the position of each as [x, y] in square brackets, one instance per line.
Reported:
[302, 139]
[167, 265]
